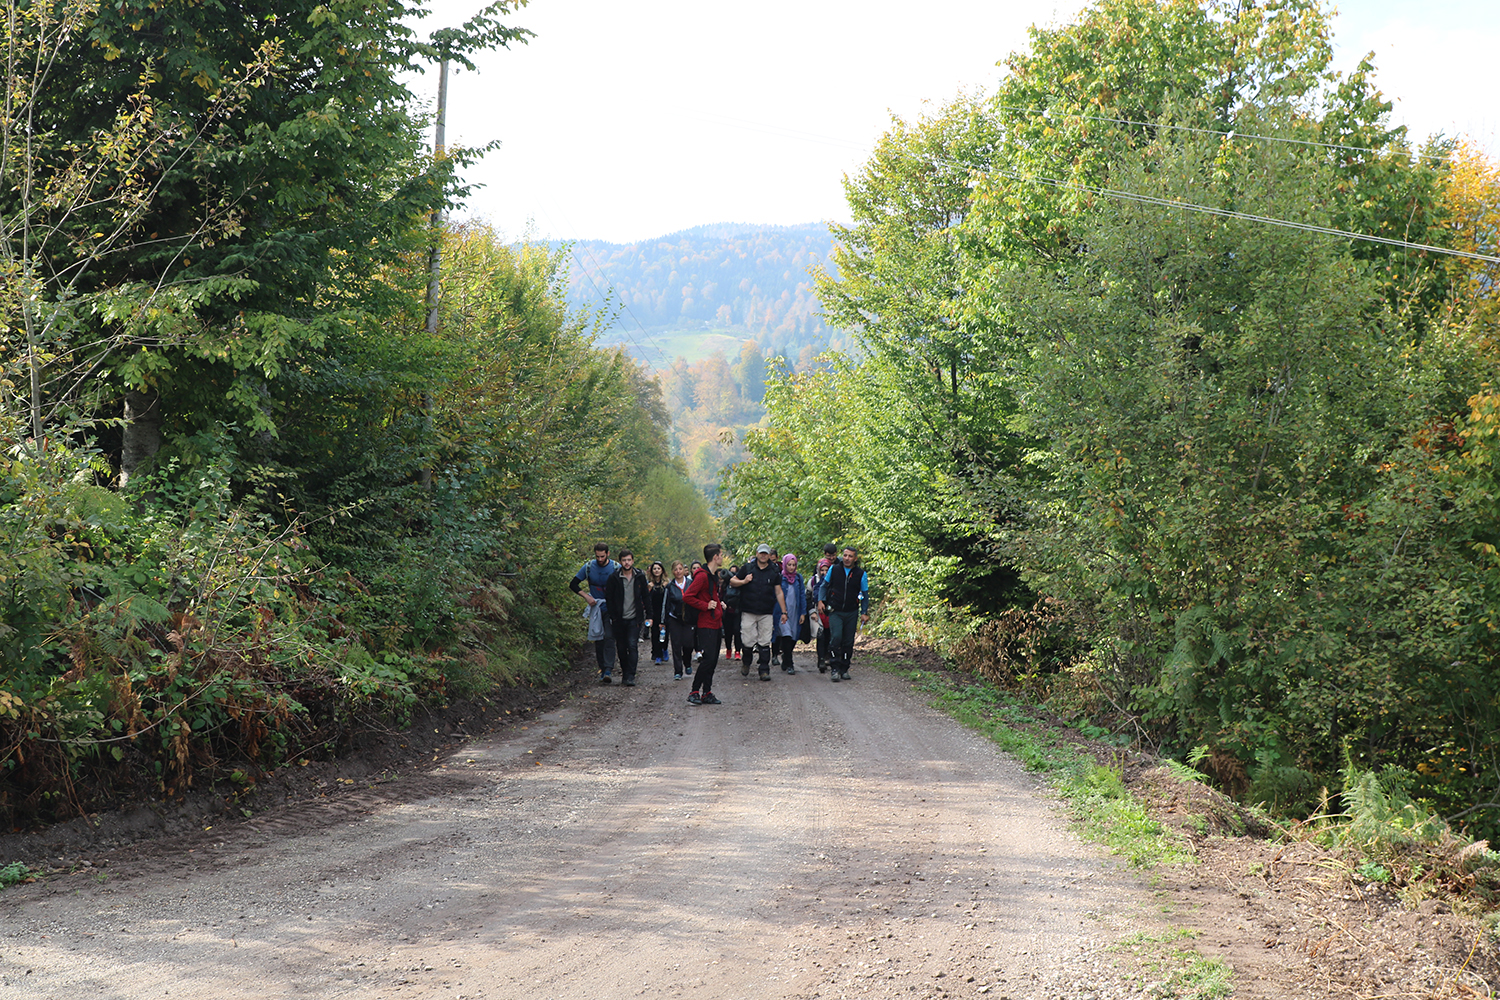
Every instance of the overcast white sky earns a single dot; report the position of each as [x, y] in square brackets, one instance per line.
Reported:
[624, 121]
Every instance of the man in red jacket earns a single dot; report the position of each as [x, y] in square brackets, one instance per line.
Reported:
[703, 596]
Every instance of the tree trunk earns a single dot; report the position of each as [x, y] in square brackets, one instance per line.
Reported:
[142, 437]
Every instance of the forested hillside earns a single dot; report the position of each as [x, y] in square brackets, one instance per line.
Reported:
[250, 499]
[1170, 407]
[727, 282]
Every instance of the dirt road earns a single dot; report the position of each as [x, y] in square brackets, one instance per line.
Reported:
[804, 839]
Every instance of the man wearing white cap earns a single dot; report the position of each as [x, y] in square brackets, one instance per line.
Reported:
[760, 597]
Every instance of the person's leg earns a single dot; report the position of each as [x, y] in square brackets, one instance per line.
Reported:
[786, 654]
[822, 646]
[627, 647]
[680, 651]
[849, 621]
[836, 621]
[755, 633]
[708, 641]
[607, 665]
[605, 662]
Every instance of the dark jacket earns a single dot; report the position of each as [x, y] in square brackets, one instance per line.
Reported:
[758, 597]
[674, 598]
[614, 596]
[846, 590]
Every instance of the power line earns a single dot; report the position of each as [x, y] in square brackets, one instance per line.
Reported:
[1231, 134]
[1164, 202]
[1147, 199]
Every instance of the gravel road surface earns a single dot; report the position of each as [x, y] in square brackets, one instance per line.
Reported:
[804, 839]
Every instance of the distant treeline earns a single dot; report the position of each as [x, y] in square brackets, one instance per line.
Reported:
[747, 279]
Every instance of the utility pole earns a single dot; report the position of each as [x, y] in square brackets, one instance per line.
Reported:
[435, 256]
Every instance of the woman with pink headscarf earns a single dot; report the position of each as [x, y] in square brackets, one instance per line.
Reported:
[795, 591]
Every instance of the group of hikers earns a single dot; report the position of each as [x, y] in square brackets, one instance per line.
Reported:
[759, 612]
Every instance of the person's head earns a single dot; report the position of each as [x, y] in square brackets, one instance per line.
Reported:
[656, 572]
[830, 552]
[762, 554]
[789, 563]
[824, 563]
[712, 553]
[677, 569]
[695, 567]
[627, 559]
[601, 553]
[851, 556]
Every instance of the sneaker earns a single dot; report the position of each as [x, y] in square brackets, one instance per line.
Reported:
[629, 682]
[822, 666]
[709, 699]
[744, 668]
[789, 669]
[833, 675]
[695, 698]
[765, 673]
[843, 675]
[687, 671]
[677, 677]
[605, 679]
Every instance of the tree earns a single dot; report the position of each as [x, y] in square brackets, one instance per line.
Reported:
[271, 170]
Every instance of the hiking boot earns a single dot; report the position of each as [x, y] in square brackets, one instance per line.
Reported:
[765, 673]
[744, 668]
[833, 675]
[629, 682]
[822, 666]
[789, 669]
[695, 698]
[709, 699]
[843, 675]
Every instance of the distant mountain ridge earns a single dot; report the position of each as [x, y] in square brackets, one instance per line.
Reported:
[728, 280]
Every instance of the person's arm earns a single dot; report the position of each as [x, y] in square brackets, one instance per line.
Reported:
[781, 600]
[740, 581]
[694, 595]
[613, 592]
[577, 586]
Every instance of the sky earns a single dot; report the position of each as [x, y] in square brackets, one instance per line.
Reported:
[625, 121]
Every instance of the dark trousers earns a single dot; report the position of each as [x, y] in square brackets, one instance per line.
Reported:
[731, 631]
[841, 625]
[708, 641]
[822, 647]
[682, 646]
[627, 639]
[604, 652]
[658, 641]
[784, 646]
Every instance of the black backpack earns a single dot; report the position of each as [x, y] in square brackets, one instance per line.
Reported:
[728, 594]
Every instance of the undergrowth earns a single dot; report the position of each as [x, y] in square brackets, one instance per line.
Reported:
[153, 642]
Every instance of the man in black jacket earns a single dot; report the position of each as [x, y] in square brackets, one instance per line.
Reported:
[760, 597]
[626, 604]
[845, 596]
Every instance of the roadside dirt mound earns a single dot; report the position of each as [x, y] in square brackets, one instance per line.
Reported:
[377, 756]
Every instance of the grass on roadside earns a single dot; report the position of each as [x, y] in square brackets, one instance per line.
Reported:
[14, 874]
[1102, 806]
[1177, 972]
